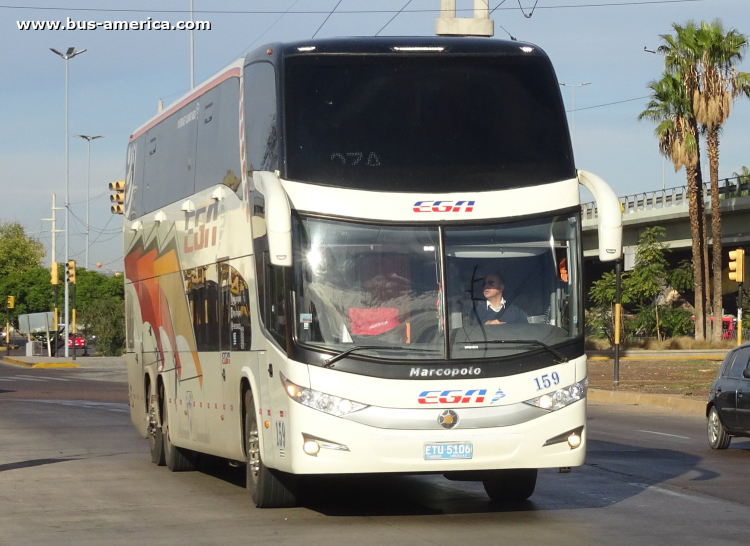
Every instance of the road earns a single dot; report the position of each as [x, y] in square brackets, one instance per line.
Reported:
[74, 471]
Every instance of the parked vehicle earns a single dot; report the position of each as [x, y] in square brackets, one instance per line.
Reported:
[79, 339]
[728, 408]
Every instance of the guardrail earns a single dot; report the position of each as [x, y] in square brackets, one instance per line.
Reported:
[729, 188]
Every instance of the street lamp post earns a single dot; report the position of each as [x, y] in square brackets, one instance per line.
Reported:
[192, 50]
[69, 54]
[88, 140]
[573, 110]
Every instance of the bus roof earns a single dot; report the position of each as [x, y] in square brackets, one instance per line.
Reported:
[394, 45]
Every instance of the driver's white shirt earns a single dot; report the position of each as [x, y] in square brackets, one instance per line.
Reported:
[500, 308]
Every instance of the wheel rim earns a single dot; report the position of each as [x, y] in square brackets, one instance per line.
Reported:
[713, 427]
[253, 450]
[152, 424]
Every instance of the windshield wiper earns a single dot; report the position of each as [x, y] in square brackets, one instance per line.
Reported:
[331, 361]
[561, 357]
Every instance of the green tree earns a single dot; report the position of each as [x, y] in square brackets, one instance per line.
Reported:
[92, 286]
[18, 251]
[650, 274]
[743, 179]
[105, 318]
[32, 290]
[602, 293]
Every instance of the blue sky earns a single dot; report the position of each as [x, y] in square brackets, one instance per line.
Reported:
[115, 85]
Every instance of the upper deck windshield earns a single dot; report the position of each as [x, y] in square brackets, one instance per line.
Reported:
[369, 285]
[424, 123]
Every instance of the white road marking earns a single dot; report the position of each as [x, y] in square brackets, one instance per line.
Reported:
[664, 490]
[27, 378]
[117, 407]
[664, 434]
[42, 378]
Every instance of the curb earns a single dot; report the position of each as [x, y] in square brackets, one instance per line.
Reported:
[646, 399]
[23, 364]
[692, 357]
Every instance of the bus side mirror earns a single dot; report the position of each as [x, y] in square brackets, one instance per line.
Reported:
[278, 218]
[609, 216]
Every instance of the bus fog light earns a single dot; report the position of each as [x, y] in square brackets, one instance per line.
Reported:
[311, 447]
[574, 440]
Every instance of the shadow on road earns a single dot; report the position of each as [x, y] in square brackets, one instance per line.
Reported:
[613, 472]
[32, 463]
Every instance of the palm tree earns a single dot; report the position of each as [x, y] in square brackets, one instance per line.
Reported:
[718, 84]
[677, 134]
[743, 179]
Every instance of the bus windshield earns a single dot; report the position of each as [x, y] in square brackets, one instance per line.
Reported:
[370, 285]
[416, 123]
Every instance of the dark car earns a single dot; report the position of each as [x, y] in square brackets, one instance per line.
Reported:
[728, 408]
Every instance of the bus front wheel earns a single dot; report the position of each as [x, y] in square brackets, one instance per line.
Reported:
[268, 488]
[511, 485]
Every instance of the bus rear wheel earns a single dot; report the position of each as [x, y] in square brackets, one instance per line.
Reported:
[511, 485]
[178, 459]
[155, 440]
[268, 488]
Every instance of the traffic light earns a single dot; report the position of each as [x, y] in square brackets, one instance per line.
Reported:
[118, 197]
[11, 304]
[737, 265]
[70, 271]
[53, 273]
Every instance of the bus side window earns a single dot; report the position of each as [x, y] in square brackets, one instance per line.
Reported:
[218, 155]
[235, 310]
[276, 303]
[260, 114]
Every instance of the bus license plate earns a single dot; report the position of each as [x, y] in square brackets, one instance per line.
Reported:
[448, 450]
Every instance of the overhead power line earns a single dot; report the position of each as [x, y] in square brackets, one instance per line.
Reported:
[320, 12]
[608, 104]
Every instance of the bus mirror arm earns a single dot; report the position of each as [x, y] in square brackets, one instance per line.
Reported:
[278, 218]
[609, 217]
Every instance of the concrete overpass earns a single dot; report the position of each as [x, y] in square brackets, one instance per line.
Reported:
[669, 209]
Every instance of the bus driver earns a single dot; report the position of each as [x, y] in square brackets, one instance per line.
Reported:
[497, 310]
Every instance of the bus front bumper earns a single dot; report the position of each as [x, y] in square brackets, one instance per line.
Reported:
[323, 444]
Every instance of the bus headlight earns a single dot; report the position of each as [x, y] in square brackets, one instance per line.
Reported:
[561, 397]
[327, 403]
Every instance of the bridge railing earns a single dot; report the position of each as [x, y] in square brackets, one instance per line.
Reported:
[729, 188]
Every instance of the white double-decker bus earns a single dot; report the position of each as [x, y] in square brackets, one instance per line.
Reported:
[308, 239]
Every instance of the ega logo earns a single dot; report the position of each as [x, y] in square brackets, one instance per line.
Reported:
[444, 206]
[471, 396]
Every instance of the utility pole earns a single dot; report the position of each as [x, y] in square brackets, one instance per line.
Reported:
[450, 25]
[573, 110]
[55, 231]
[88, 139]
[69, 54]
[192, 49]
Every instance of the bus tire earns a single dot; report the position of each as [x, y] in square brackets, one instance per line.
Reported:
[155, 440]
[177, 459]
[268, 488]
[511, 485]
